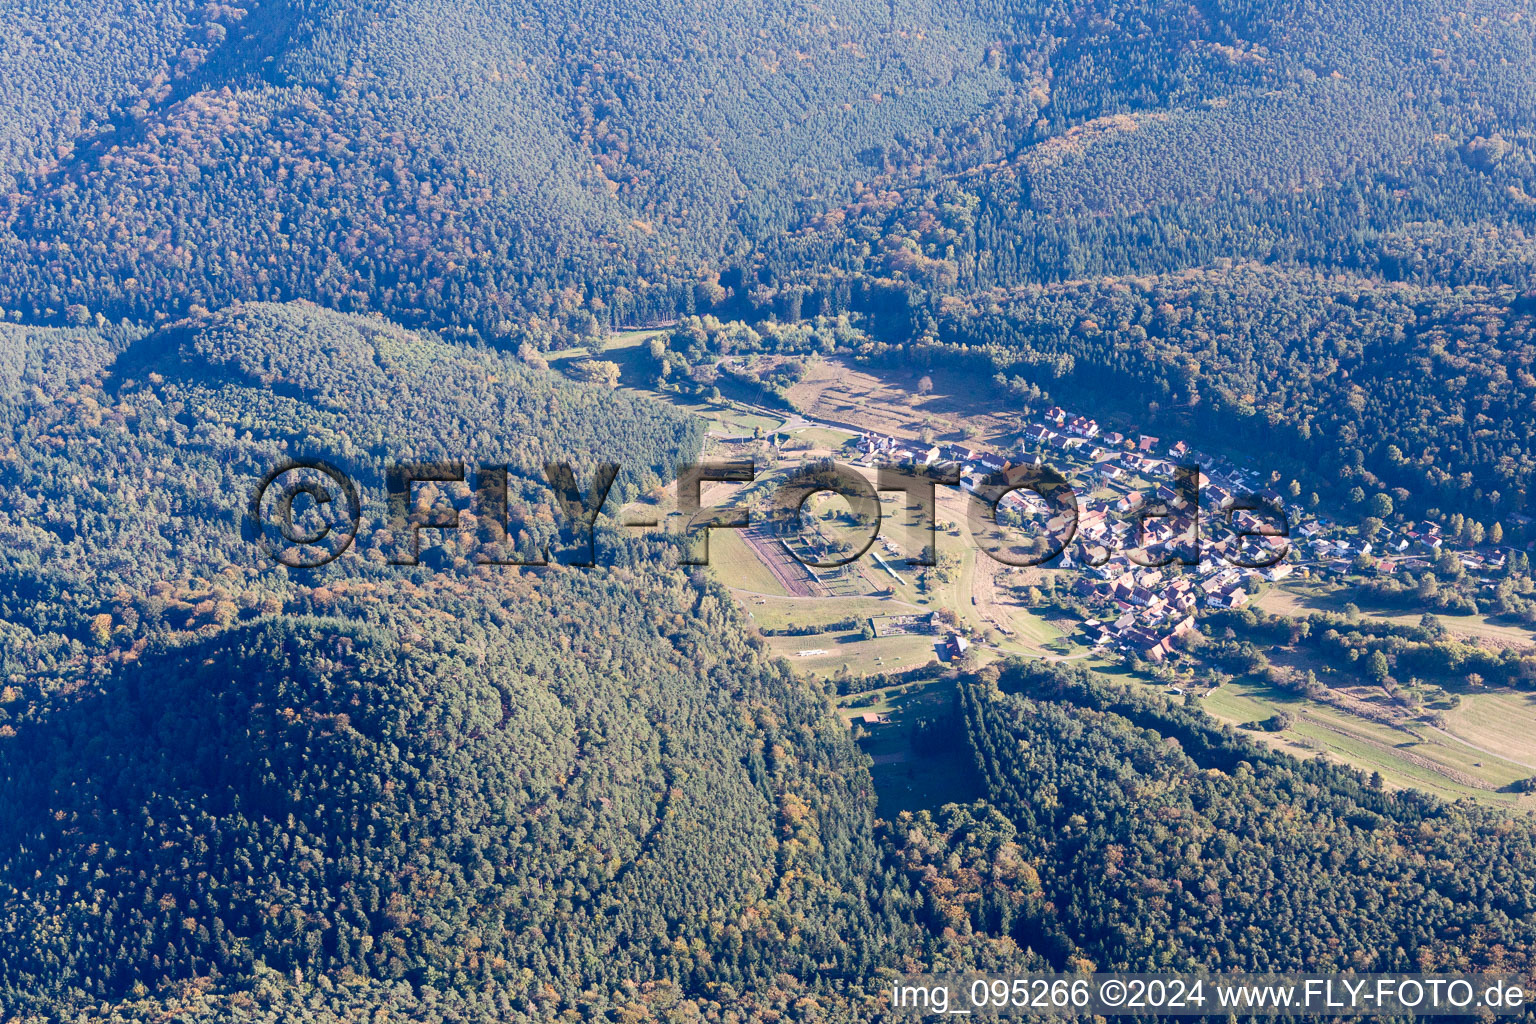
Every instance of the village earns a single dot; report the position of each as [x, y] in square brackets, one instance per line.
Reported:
[884, 634]
[1135, 542]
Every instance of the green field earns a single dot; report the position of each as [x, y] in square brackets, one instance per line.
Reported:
[733, 563]
[786, 612]
[1502, 723]
[823, 437]
[1031, 630]
[615, 347]
[851, 650]
[1416, 755]
[732, 419]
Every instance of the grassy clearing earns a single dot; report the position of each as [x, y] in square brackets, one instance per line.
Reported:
[1501, 722]
[785, 613]
[733, 563]
[623, 340]
[724, 419]
[615, 345]
[1113, 669]
[1417, 756]
[1238, 702]
[851, 650]
[1028, 627]
[842, 392]
[733, 420]
[924, 783]
[564, 355]
[823, 438]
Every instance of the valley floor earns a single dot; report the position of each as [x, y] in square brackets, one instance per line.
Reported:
[866, 628]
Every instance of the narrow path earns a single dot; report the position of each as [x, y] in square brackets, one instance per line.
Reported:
[1481, 750]
[1389, 753]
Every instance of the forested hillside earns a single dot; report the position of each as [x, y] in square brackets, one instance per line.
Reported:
[451, 791]
[534, 171]
[527, 790]
[1165, 842]
[431, 788]
[463, 165]
[1423, 392]
[472, 165]
[130, 457]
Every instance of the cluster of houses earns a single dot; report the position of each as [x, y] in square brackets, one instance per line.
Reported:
[1111, 475]
[880, 448]
[1320, 544]
[1144, 611]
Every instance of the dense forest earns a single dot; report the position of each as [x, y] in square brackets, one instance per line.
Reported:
[437, 790]
[531, 787]
[1167, 842]
[535, 172]
[473, 166]
[457, 791]
[1422, 392]
[130, 456]
[1121, 832]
